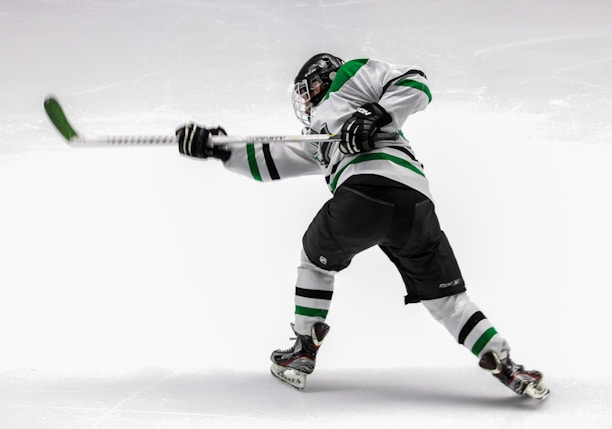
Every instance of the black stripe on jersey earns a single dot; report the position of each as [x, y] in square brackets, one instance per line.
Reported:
[408, 73]
[335, 168]
[404, 151]
[316, 294]
[333, 171]
[270, 162]
[470, 325]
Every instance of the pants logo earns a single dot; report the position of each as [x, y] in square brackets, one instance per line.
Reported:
[455, 282]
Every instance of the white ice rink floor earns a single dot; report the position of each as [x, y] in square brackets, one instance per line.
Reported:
[417, 397]
[140, 289]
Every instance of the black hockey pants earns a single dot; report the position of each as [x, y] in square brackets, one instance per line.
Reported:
[369, 210]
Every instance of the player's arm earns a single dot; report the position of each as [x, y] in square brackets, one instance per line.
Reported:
[405, 93]
[273, 161]
[261, 161]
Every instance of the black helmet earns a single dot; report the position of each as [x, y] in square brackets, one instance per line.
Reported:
[320, 70]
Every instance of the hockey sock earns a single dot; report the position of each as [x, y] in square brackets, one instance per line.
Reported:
[313, 294]
[467, 324]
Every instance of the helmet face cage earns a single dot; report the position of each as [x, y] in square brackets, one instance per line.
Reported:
[304, 99]
[301, 102]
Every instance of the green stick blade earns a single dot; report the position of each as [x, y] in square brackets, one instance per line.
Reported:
[58, 118]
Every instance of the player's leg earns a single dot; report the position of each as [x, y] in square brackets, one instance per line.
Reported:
[470, 328]
[467, 324]
[347, 224]
[431, 273]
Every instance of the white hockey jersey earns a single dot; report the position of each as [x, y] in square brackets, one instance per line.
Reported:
[400, 90]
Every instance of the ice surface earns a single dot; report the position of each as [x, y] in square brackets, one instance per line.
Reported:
[142, 289]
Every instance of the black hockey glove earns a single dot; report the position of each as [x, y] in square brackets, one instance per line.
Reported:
[193, 141]
[358, 131]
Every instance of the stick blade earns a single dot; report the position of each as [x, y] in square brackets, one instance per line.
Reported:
[58, 118]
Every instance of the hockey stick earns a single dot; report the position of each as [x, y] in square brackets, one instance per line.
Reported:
[58, 119]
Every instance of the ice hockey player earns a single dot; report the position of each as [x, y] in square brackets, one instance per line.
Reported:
[380, 198]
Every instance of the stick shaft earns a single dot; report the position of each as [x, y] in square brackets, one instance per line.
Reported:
[215, 140]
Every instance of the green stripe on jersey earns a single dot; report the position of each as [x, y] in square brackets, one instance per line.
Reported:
[344, 73]
[310, 312]
[416, 85]
[483, 340]
[250, 148]
[374, 157]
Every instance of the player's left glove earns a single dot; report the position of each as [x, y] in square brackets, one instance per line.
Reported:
[193, 141]
[358, 131]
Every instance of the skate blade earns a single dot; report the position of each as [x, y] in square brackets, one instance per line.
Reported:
[296, 379]
[537, 391]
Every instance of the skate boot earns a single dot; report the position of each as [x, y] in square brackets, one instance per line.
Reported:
[300, 359]
[521, 381]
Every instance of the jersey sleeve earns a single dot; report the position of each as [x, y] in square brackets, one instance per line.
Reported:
[406, 93]
[265, 162]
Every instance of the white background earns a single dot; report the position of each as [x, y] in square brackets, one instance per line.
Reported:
[139, 288]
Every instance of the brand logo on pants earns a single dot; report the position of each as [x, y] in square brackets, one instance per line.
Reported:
[323, 260]
[450, 284]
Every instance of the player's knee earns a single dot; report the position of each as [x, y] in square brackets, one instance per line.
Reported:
[444, 308]
[313, 264]
[328, 260]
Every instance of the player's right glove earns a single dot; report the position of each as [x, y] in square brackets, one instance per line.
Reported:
[358, 131]
[193, 141]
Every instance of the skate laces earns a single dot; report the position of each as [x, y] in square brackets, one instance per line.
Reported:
[318, 333]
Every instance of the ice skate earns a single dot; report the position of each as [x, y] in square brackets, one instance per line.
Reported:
[294, 364]
[521, 381]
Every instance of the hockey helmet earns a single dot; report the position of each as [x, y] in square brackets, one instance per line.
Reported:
[312, 83]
